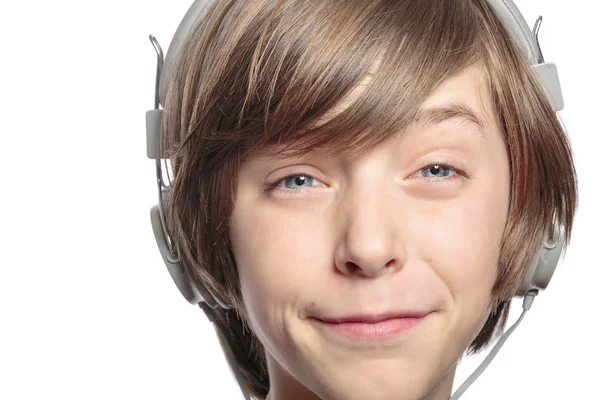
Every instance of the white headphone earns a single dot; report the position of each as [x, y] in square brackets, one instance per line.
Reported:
[538, 274]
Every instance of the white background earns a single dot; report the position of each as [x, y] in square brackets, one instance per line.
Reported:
[88, 310]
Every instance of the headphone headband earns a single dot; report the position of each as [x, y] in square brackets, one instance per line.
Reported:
[508, 12]
[195, 13]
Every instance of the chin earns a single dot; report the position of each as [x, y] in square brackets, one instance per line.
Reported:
[376, 379]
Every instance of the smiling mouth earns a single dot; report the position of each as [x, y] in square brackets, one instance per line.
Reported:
[370, 330]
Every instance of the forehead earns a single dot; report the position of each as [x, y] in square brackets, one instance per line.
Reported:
[469, 89]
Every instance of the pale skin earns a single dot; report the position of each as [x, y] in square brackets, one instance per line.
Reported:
[382, 231]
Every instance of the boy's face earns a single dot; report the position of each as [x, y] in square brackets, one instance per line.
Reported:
[386, 231]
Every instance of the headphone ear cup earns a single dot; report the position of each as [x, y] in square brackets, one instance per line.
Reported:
[193, 291]
[544, 263]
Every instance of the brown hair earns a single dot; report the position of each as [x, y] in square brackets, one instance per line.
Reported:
[260, 72]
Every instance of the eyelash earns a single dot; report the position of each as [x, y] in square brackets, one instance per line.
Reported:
[445, 165]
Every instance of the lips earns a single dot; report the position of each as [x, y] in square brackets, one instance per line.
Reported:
[373, 317]
[362, 330]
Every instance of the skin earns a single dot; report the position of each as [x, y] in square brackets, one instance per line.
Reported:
[373, 233]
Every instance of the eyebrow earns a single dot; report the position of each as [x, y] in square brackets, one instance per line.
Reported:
[438, 114]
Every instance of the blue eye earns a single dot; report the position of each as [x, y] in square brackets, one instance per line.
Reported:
[293, 182]
[437, 172]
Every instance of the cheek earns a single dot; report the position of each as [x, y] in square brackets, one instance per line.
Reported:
[461, 238]
[463, 252]
[278, 256]
[475, 245]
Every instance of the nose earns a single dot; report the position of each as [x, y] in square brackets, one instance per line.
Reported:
[369, 245]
